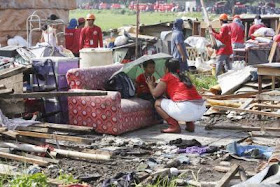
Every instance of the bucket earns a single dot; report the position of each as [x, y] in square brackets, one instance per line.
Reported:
[95, 57]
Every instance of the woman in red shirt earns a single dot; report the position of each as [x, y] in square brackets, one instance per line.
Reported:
[183, 103]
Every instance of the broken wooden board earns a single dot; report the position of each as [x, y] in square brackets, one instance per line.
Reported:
[55, 137]
[65, 127]
[55, 94]
[243, 128]
[23, 159]
[228, 176]
[270, 114]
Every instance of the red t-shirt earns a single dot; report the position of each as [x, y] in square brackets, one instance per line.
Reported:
[142, 86]
[177, 90]
[225, 37]
[75, 47]
[91, 37]
[69, 38]
[237, 33]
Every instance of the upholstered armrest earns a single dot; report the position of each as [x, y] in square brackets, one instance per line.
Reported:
[103, 113]
[93, 78]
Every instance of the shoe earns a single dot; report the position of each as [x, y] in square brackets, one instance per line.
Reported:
[190, 126]
[174, 126]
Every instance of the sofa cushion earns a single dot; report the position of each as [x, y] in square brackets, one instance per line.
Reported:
[135, 104]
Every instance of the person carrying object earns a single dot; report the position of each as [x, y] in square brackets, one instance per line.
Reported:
[91, 35]
[178, 47]
[224, 52]
[237, 33]
[257, 25]
[183, 103]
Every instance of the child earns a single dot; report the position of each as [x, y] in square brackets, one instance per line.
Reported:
[142, 88]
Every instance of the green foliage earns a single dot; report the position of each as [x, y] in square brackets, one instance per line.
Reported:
[203, 81]
[67, 178]
[36, 180]
[164, 182]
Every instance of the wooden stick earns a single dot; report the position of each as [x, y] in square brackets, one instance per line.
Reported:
[55, 137]
[24, 147]
[271, 114]
[222, 169]
[234, 96]
[23, 159]
[54, 94]
[243, 128]
[76, 154]
[274, 47]
[228, 176]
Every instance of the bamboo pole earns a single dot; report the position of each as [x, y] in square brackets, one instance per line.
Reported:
[76, 154]
[24, 147]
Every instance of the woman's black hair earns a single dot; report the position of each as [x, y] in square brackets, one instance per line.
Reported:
[44, 27]
[173, 66]
[146, 63]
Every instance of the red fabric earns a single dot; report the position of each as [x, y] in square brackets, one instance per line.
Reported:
[106, 114]
[69, 38]
[277, 38]
[76, 41]
[177, 90]
[253, 28]
[91, 33]
[225, 37]
[142, 86]
[237, 33]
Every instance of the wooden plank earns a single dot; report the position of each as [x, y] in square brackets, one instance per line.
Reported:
[50, 160]
[274, 47]
[6, 91]
[270, 114]
[242, 128]
[10, 133]
[233, 96]
[266, 106]
[55, 94]
[11, 72]
[55, 137]
[268, 71]
[23, 159]
[3, 129]
[228, 176]
[33, 129]
[265, 134]
[246, 103]
[65, 127]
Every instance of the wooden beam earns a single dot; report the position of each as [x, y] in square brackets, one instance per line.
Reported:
[5, 91]
[10, 133]
[55, 137]
[11, 72]
[270, 114]
[64, 127]
[55, 94]
[267, 106]
[50, 160]
[24, 147]
[23, 159]
[33, 129]
[228, 176]
[242, 128]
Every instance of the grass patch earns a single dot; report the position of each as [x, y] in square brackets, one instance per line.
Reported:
[36, 180]
[203, 81]
[111, 19]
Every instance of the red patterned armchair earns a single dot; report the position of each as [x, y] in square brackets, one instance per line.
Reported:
[106, 114]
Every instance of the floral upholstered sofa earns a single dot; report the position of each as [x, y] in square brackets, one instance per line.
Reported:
[106, 114]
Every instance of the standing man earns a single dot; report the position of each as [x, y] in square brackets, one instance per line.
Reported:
[257, 25]
[76, 42]
[237, 33]
[224, 52]
[178, 47]
[69, 34]
[91, 35]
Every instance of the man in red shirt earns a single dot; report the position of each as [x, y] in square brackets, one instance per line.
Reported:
[76, 42]
[257, 25]
[237, 33]
[224, 52]
[69, 34]
[91, 36]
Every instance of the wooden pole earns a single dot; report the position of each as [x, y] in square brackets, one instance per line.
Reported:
[137, 29]
[76, 154]
[23, 159]
[24, 147]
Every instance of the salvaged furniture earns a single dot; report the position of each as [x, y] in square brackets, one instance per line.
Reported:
[106, 114]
